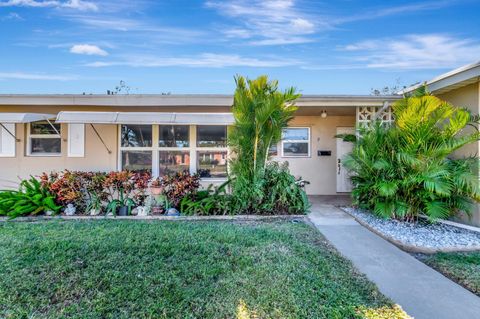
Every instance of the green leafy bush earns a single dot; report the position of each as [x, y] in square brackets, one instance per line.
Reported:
[30, 199]
[211, 201]
[406, 169]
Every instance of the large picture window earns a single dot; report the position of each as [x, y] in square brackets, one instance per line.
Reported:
[296, 142]
[168, 149]
[44, 139]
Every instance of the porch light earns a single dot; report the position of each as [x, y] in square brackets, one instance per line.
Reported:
[323, 115]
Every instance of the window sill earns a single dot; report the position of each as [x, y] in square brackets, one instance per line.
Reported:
[44, 155]
[302, 156]
[213, 179]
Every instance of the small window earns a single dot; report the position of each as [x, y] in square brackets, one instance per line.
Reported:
[136, 136]
[212, 136]
[137, 161]
[173, 162]
[212, 164]
[296, 142]
[44, 139]
[174, 136]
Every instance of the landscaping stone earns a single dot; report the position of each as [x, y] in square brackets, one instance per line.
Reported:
[421, 236]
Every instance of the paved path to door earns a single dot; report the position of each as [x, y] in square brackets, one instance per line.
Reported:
[421, 291]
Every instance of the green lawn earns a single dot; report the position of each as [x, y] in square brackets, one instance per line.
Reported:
[138, 269]
[463, 268]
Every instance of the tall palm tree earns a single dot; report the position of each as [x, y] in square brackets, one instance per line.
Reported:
[261, 111]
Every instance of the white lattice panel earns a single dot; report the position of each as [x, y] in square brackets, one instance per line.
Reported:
[366, 114]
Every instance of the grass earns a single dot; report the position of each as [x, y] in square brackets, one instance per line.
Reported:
[135, 269]
[463, 268]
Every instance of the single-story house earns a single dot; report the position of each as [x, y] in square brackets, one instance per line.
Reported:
[167, 133]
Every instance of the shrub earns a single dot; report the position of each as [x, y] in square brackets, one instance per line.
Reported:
[285, 193]
[211, 201]
[406, 169]
[30, 199]
[93, 190]
[179, 185]
[65, 186]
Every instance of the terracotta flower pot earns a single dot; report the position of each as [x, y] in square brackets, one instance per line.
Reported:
[156, 190]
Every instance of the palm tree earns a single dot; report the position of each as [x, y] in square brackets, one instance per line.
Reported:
[261, 111]
[408, 169]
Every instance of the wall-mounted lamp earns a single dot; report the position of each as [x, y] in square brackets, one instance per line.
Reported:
[323, 115]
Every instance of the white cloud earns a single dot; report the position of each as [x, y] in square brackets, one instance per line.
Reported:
[12, 16]
[267, 22]
[35, 76]
[374, 13]
[87, 49]
[70, 4]
[209, 60]
[416, 51]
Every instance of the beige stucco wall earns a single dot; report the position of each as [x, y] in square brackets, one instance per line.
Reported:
[320, 171]
[469, 97]
[96, 156]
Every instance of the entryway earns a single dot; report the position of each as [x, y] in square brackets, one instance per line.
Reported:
[343, 148]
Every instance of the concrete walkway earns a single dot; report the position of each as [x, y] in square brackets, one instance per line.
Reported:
[421, 291]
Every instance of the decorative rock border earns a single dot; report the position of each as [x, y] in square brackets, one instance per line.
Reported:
[155, 218]
[408, 247]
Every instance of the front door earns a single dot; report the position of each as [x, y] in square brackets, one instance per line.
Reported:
[343, 148]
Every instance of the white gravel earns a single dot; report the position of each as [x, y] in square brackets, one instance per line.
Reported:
[420, 234]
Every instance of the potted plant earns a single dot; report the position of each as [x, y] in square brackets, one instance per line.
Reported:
[120, 207]
[120, 187]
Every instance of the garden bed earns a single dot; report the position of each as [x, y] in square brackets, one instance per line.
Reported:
[210, 269]
[421, 237]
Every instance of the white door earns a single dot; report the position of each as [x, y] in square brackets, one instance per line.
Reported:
[343, 148]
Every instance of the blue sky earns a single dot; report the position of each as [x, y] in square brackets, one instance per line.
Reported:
[320, 47]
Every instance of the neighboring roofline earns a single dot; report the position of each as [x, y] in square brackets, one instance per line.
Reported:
[176, 100]
[462, 76]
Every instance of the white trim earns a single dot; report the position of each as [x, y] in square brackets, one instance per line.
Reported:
[308, 141]
[42, 136]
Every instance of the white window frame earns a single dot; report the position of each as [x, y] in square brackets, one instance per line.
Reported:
[155, 149]
[181, 149]
[43, 136]
[210, 149]
[308, 141]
